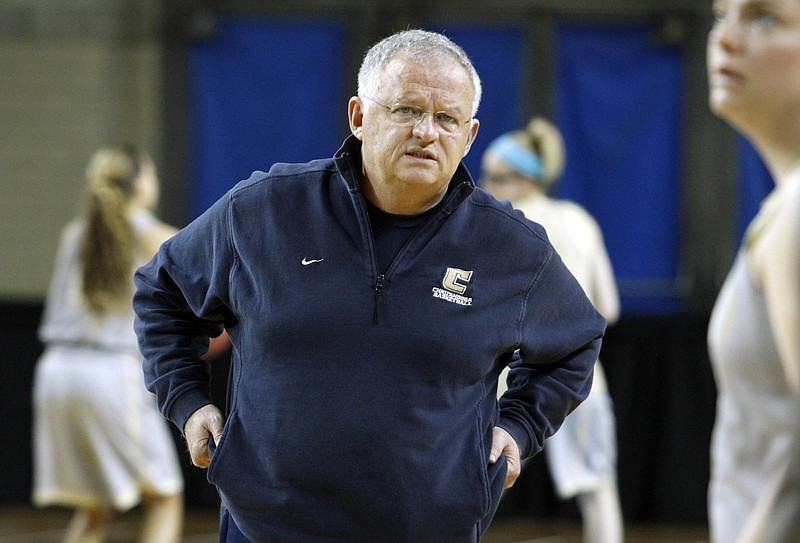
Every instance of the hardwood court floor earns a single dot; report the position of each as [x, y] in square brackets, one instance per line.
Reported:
[28, 525]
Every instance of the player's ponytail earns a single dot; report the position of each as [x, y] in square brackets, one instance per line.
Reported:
[109, 243]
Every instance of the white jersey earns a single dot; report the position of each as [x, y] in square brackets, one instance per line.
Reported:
[66, 320]
[754, 493]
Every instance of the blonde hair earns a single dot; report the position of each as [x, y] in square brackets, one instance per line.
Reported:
[109, 244]
[544, 139]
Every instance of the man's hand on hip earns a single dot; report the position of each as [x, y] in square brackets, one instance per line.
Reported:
[503, 443]
[202, 426]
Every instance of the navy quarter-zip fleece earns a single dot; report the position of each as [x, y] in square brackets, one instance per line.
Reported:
[361, 404]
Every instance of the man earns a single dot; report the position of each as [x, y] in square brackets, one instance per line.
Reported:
[372, 300]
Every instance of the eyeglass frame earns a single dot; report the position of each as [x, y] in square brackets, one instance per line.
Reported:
[419, 114]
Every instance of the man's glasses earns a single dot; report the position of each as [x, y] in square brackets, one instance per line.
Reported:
[407, 115]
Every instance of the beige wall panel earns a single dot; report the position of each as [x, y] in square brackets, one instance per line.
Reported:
[64, 93]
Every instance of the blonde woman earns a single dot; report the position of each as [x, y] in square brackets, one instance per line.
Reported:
[521, 167]
[753, 60]
[101, 446]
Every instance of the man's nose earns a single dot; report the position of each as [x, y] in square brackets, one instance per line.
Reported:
[425, 127]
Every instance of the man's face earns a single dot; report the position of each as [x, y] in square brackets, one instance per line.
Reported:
[423, 155]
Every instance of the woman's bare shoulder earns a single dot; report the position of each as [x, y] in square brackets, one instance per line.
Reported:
[156, 234]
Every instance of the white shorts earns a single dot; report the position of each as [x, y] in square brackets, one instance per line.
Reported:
[99, 439]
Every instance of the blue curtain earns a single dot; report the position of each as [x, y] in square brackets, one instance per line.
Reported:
[618, 101]
[755, 182]
[264, 91]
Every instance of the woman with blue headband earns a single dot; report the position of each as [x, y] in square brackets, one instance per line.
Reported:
[521, 167]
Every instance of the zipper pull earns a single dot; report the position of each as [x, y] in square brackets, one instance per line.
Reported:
[378, 289]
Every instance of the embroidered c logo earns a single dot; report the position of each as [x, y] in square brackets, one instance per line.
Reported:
[453, 279]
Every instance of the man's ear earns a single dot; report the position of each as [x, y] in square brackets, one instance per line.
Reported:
[473, 133]
[355, 115]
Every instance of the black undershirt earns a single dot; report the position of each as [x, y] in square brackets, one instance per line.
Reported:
[390, 232]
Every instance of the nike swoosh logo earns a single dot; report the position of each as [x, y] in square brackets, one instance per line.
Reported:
[306, 262]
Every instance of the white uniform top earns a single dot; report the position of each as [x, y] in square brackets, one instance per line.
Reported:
[754, 493]
[66, 320]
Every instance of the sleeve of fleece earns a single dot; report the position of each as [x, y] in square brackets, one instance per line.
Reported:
[180, 301]
[560, 337]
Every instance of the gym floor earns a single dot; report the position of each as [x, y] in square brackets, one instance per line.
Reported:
[29, 525]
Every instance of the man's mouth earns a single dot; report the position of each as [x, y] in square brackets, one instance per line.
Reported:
[421, 155]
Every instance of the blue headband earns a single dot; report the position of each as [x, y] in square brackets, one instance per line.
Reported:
[523, 160]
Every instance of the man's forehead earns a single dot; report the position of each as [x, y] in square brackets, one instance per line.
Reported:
[445, 78]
